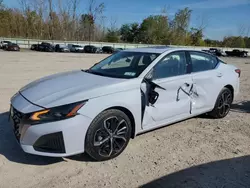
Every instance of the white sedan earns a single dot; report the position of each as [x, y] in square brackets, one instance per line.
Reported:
[98, 110]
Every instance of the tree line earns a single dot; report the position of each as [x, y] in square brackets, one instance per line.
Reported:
[64, 20]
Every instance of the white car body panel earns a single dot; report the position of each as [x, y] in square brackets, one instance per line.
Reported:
[71, 87]
[104, 93]
[73, 126]
[167, 106]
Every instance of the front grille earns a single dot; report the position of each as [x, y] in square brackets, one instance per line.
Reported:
[50, 143]
[16, 118]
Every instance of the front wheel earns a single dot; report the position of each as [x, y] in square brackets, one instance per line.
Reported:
[108, 135]
[223, 104]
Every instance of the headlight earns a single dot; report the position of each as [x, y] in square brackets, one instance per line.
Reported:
[56, 113]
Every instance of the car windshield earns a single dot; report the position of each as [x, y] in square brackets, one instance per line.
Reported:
[124, 64]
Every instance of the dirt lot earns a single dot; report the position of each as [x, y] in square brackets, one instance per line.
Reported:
[198, 152]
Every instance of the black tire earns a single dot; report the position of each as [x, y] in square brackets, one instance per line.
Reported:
[108, 135]
[223, 104]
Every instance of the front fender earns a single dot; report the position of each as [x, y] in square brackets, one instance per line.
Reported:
[131, 100]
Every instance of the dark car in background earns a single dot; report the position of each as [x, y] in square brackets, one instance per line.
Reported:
[34, 47]
[46, 47]
[4, 43]
[108, 49]
[216, 52]
[237, 53]
[43, 47]
[61, 48]
[12, 47]
[90, 49]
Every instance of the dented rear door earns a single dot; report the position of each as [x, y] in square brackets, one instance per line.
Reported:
[206, 82]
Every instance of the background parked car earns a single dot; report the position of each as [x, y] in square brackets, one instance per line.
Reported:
[4, 43]
[46, 47]
[12, 47]
[108, 49]
[90, 49]
[216, 52]
[34, 47]
[43, 47]
[75, 48]
[61, 48]
[237, 53]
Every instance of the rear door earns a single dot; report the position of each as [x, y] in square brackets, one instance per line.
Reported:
[207, 81]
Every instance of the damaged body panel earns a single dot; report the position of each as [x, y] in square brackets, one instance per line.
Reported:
[188, 89]
[167, 106]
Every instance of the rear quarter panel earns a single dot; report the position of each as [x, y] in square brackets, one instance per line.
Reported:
[230, 77]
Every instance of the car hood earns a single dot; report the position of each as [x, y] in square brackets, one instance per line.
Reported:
[69, 87]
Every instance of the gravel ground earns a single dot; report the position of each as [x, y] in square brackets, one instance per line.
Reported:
[198, 152]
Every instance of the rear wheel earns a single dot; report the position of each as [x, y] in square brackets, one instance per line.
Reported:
[108, 135]
[223, 104]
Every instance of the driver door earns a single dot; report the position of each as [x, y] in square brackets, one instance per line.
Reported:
[174, 84]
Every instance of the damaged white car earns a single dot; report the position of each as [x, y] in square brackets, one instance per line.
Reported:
[98, 110]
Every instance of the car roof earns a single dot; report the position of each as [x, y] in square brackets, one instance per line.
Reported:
[158, 49]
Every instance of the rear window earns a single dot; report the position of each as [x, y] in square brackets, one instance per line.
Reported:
[202, 61]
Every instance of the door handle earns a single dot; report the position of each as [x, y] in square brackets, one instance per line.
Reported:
[219, 75]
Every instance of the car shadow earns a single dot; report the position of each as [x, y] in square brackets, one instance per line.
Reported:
[81, 158]
[241, 107]
[229, 173]
[10, 149]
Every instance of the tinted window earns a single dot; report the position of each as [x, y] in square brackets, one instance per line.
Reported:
[202, 62]
[143, 60]
[124, 64]
[174, 64]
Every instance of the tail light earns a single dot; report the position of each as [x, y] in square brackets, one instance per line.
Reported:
[238, 71]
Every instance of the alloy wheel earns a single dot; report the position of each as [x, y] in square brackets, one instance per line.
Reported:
[112, 137]
[225, 103]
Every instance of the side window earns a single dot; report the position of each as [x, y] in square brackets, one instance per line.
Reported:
[202, 61]
[174, 64]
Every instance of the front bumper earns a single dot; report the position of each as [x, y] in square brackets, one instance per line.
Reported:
[72, 137]
[55, 139]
